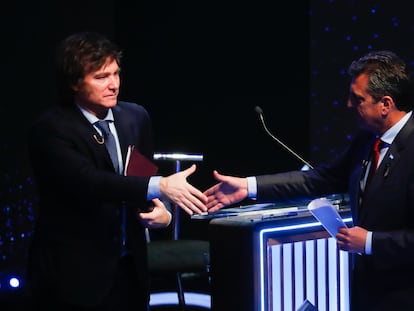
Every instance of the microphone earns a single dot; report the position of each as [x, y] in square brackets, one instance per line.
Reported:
[259, 112]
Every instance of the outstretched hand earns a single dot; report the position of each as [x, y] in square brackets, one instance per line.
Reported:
[176, 189]
[228, 191]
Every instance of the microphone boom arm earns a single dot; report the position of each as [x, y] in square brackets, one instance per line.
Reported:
[258, 110]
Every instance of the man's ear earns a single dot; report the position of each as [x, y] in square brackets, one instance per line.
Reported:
[387, 102]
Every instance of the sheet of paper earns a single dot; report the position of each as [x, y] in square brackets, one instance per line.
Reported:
[327, 215]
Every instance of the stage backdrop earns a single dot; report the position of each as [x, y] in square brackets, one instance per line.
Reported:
[200, 69]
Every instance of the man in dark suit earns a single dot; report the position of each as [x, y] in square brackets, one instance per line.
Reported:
[382, 239]
[88, 251]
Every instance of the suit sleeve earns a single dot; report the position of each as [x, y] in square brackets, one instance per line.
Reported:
[68, 162]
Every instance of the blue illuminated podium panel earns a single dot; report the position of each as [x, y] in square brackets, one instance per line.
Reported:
[276, 259]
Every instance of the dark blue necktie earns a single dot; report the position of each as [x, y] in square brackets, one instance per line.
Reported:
[109, 142]
[111, 147]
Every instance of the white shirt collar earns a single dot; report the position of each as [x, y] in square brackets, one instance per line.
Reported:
[391, 133]
[92, 118]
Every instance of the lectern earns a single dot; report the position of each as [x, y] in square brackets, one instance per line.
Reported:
[276, 258]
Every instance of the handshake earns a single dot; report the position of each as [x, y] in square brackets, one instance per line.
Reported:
[227, 191]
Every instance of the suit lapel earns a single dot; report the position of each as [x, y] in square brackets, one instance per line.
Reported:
[86, 132]
[361, 194]
[121, 124]
[392, 156]
[387, 165]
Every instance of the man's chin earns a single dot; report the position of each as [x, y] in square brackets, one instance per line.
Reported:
[110, 103]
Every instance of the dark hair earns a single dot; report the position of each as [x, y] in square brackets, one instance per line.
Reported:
[78, 55]
[387, 75]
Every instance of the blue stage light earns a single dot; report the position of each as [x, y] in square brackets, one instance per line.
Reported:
[14, 282]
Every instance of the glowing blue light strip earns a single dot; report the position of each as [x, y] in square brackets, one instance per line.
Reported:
[277, 275]
[333, 266]
[262, 234]
[298, 258]
[321, 273]
[310, 271]
[343, 276]
[287, 276]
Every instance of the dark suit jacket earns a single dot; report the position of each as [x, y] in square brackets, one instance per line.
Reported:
[76, 243]
[385, 279]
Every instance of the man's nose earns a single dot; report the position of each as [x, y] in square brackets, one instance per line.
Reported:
[114, 82]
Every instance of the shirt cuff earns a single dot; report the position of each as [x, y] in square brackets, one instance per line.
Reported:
[154, 188]
[251, 187]
[368, 244]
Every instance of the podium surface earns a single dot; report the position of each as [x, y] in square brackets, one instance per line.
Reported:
[276, 258]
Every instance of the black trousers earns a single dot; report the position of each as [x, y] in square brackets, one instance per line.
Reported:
[127, 294]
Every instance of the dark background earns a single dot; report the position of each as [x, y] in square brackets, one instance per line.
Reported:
[199, 68]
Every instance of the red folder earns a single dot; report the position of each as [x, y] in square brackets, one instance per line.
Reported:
[137, 164]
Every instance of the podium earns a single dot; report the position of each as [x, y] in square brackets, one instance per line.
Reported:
[276, 259]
